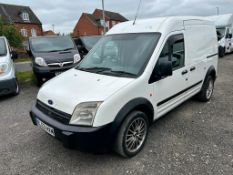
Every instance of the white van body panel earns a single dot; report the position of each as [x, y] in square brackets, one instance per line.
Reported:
[197, 56]
[79, 87]
[74, 87]
[7, 59]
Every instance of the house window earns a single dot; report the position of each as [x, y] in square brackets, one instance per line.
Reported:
[114, 23]
[24, 32]
[25, 16]
[33, 32]
[107, 25]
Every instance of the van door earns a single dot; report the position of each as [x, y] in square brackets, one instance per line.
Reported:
[169, 91]
[228, 40]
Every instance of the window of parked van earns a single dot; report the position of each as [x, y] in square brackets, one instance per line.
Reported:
[173, 51]
[52, 44]
[2, 47]
[178, 53]
[121, 55]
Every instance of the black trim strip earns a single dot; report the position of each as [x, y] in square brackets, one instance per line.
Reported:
[179, 93]
[212, 55]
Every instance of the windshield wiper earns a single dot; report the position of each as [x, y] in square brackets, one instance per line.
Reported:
[94, 69]
[60, 50]
[124, 73]
[67, 49]
[54, 50]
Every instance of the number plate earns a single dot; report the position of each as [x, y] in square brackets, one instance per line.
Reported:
[46, 128]
[58, 73]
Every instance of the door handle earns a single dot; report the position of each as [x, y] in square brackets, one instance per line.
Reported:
[192, 68]
[184, 72]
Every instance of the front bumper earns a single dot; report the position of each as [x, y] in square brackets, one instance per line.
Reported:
[7, 86]
[96, 139]
[49, 72]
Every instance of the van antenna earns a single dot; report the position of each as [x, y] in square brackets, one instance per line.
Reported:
[139, 5]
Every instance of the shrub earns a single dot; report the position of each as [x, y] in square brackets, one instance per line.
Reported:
[14, 37]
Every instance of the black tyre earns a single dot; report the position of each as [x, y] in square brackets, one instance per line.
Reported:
[39, 80]
[221, 51]
[207, 90]
[17, 89]
[132, 134]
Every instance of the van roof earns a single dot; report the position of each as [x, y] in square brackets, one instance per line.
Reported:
[161, 24]
[222, 20]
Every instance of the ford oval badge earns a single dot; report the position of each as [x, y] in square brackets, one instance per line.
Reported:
[50, 102]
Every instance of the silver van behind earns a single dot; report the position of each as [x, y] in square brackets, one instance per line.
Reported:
[8, 81]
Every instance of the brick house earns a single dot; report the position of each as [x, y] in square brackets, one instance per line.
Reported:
[49, 33]
[22, 18]
[90, 24]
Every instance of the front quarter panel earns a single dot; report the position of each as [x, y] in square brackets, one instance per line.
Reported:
[109, 109]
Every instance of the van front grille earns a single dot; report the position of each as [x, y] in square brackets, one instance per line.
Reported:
[53, 113]
[62, 64]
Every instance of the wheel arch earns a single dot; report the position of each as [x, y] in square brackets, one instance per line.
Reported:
[212, 72]
[140, 104]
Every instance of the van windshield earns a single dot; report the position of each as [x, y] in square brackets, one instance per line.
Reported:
[51, 44]
[221, 33]
[90, 41]
[121, 55]
[2, 47]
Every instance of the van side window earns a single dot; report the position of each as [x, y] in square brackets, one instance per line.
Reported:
[174, 51]
[164, 55]
[177, 52]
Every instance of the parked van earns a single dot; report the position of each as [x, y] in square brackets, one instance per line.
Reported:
[224, 25]
[134, 75]
[52, 55]
[85, 43]
[8, 81]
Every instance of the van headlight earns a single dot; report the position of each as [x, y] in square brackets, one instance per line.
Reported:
[3, 68]
[77, 58]
[84, 113]
[40, 61]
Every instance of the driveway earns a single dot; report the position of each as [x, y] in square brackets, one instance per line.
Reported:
[195, 138]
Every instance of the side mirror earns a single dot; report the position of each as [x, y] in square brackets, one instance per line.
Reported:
[14, 55]
[165, 68]
[80, 47]
[229, 35]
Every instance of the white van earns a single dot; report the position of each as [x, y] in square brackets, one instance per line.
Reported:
[8, 81]
[133, 75]
[224, 26]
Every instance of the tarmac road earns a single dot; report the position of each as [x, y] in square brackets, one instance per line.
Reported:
[196, 138]
[23, 66]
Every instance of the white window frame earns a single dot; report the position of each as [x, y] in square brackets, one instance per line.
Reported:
[24, 32]
[108, 24]
[33, 32]
[25, 16]
[114, 23]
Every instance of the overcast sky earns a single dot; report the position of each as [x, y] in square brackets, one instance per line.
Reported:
[64, 14]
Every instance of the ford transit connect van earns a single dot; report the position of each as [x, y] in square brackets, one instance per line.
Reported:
[8, 81]
[134, 75]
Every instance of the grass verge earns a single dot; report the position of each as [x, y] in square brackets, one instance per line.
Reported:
[20, 60]
[26, 77]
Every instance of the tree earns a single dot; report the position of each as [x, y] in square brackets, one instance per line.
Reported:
[14, 37]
